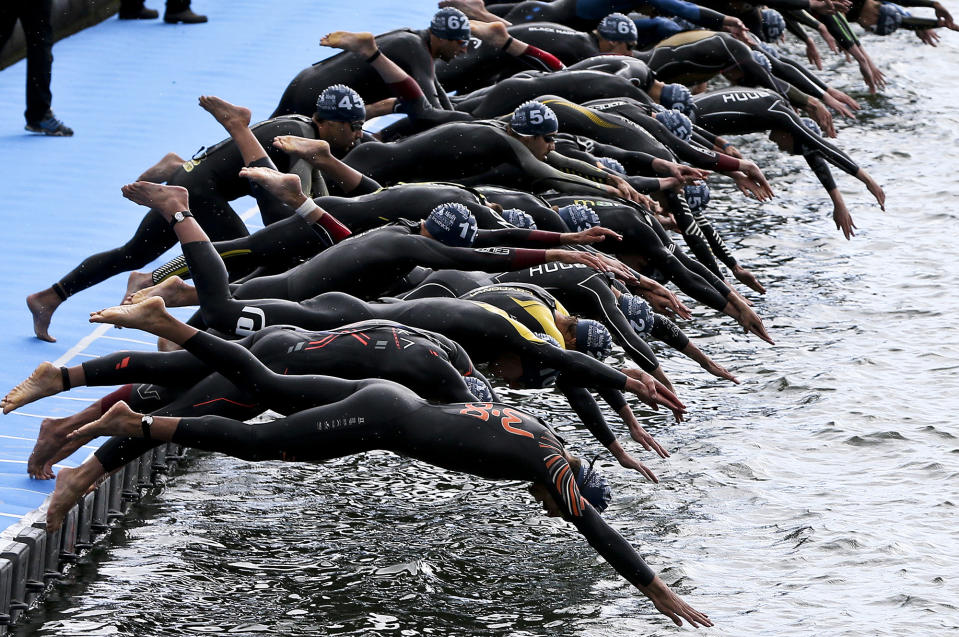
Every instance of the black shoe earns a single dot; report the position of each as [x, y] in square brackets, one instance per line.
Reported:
[186, 17]
[141, 14]
[50, 125]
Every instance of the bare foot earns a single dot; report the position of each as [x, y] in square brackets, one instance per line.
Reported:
[314, 151]
[165, 199]
[146, 315]
[136, 282]
[285, 187]
[44, 381]
[166, 345]
[362, 43]
[42, 305]
[174, 291]
[53, 435]
[119, 420]
[70, 486]
[492, 33]
[161, 171]
[229, 115]
[475, 9]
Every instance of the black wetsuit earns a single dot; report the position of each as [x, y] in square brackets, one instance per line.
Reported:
[586, 14]
[212, 180]
[492, 441]
[472, 153]
[407, 48]
[739, 111]
[368, 265]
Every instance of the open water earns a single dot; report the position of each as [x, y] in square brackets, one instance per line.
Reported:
[817, 498]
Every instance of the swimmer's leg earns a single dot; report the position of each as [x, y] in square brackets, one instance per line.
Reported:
[161, 171]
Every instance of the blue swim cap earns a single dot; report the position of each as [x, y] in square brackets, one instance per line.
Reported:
[534, 118]
[578, 217]
[450, 24]
[697, 196]
[773, 25]
[638, 312]
[612, 164]
[593, 338]
[479, 389]
[340, 103]
[768, 49]
[452, 224]
[592, 486]
[617, 27]
[811, 125]
[518, 218]
[678, 98]
[677, 123]
[762, 60]
[890, 17]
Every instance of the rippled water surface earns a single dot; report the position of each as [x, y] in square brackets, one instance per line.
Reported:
[818, 497]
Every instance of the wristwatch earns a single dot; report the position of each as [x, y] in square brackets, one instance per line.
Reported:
[180, 216]
[145, 423]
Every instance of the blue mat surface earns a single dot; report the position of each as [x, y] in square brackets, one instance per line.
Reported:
[129, 90]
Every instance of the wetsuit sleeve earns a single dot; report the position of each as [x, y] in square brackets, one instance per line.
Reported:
[538, 58]
[518, 237]
[796, 78]
[679, 269]
[795, 25]
[635, 162]
[579, 368]
[577, 167]
[821, 169]
[614, 398]
[692, 233]
[433, 254]
[588, 411]
[918, 24]
[839, 29]
[642, 184]
[613, 547]
[696, 14]
[668, 332]
[809, 75]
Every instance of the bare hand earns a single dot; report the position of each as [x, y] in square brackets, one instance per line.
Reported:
[736, 27]
[643, 437]
[663, 300]
[817, 111]
[652, 392]
[590, 236]
[753, 324]
[627, 461]
[670, 604]
[812, 54]
[845, 99]
[928, 36]
[837, 106]
[840, 214]
[748, 279]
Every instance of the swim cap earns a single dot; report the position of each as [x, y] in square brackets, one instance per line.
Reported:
[578, 217]
[518, 218]
[890, 17]
[479, 389]
[593, 338]
[638, 312]
[534, 118]
[768, 49]
[697, 196]
[450, 24]
[678, 98]
[773, 25]
[340, 103]
[452, 224]
[612, 164]
[677, 123]
[592, 486]
[811, 125]
[616, 27]
[762, 60]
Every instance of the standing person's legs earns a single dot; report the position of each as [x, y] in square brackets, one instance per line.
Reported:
[36, 20]
[179, 11]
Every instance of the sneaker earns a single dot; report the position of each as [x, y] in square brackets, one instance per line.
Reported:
[186, 17]
[140, 14]
[50, 125]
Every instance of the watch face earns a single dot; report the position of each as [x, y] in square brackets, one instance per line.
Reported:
[178, 216]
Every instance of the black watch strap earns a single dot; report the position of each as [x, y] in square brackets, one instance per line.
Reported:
[145, 423]
[180, 216]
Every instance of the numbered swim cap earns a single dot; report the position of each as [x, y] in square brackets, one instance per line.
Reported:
[638, 312]
[450, 24]
[678, 98]
[534, 375]
[762, 60]
[480, 390]
[593, 486]
[518, 218]
[811, 125]
[340, 103]
[890, 17]
[452, 224]
[616, 27]
[578, 217]
[612, 164]
[593, 338]
[677, 123]
[773, 25]
[697, 196]
[768, 49]
[534, 118]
